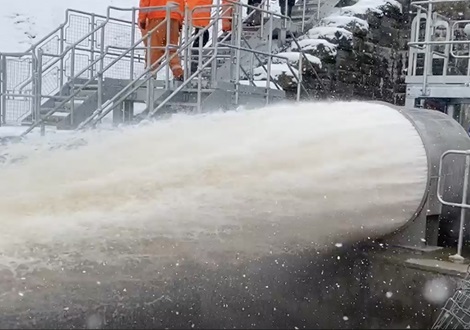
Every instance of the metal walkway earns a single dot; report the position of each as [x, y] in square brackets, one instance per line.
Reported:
[92, 67]
[439, 57]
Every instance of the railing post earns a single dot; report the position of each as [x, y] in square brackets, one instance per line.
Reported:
[72, 84]
[215, 34]
[187, 33]
[199, 80]
[270, 60]
[92, 46]
[239, 26]
[61, 63]
[167, 46]
[39, 91]
[150, 91]
[304, 8]
[458, 257]
[3, 89]
[318, 9]
[299, 83]
[100, 72]
[131, 69]
[427, 50]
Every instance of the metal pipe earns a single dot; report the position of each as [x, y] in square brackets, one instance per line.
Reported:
[270, 60]
[3, 89]
[215, 45]
[187, 52]
[304, 8]
[39, 92]
[72, 85]
[61, 63]
[149, 78]
[34, 84]
[167, 50]
[131, 73]
[463, 209]
[239, 25]
[92, 45]
[318, 9]
[199, 80]
[100, 75]
[427, 58]
[300, 77]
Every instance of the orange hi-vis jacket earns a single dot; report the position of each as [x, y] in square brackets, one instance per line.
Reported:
[176, 14]
[227, 12]
[201, 14]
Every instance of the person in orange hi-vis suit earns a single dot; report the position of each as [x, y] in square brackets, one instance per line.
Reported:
[150, 19]
[227, 14]
[200, 11]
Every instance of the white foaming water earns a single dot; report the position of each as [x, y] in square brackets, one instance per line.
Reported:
[288, 175]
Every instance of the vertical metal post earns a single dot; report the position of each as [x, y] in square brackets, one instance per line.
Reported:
[270, 60]
[199, 80]
[167, 46]
[3, 89]
[188, 50]
[427, 56]
[131, 69]
[238, 53]
[215, 34]
[61, 63]
[92, 46]
[458, 257]
[72, 84]
[149, 76]
[299, 83]
[318, 9]
[100, 73]
[304, 8]
[261, 30]
[34, 83]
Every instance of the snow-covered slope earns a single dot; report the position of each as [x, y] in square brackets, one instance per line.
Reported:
[23, 22]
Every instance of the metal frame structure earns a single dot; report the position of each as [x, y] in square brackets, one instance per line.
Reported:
[97, 63]
[463, 205]
[439, 57]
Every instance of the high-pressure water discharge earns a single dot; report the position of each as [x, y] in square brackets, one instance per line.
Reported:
[205, 190]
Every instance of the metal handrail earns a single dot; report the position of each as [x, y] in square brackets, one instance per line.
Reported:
[98, 75]
[104, 109]
[463, 205]
[101, 112]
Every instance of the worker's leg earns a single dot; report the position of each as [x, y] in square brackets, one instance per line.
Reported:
[290, 4]
[175, 62]
[282, 5]
[195, 52]
[157, 41]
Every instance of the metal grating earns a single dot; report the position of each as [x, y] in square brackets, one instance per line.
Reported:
[456, 312]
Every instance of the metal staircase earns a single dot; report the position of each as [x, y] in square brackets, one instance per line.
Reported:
[74, 80]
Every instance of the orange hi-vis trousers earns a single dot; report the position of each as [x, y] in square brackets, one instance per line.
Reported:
[158, 42]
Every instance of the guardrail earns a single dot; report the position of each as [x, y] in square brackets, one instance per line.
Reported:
[463, 205]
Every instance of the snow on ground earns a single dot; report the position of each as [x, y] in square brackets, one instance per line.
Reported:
[329, 32]
[293, 57]
[345, 22]
[314, 44]
[364, 6]
[277, 69]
